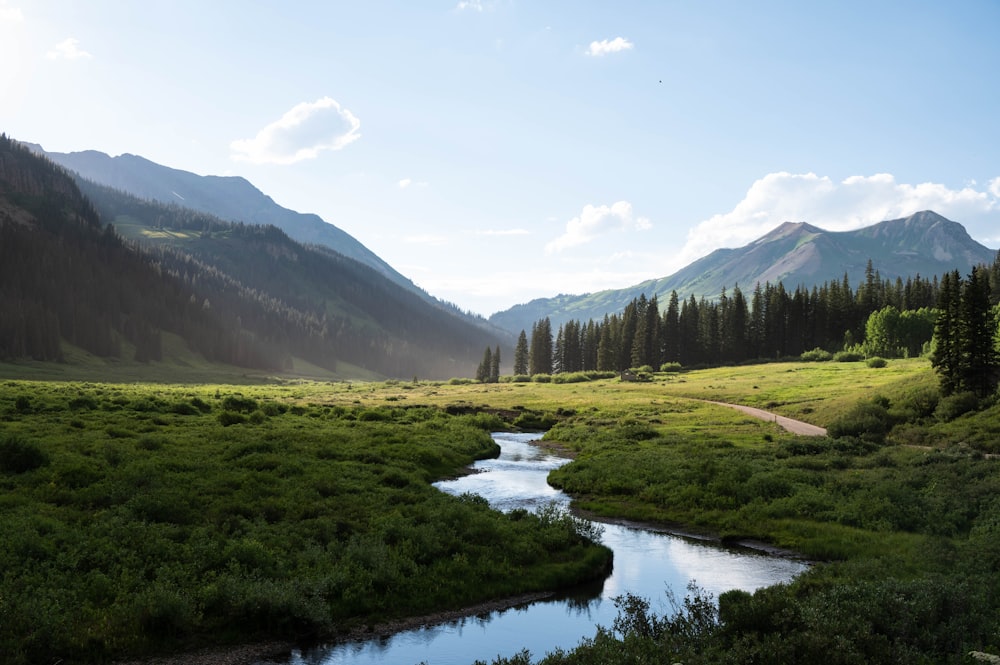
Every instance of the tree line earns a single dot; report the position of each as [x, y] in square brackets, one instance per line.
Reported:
[891, 318]
[240, 294]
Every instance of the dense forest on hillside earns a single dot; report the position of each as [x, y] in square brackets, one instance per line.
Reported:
[239, 294]
[63, 275]
[773, 323]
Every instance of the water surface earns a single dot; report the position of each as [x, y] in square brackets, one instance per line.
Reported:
[646, 563]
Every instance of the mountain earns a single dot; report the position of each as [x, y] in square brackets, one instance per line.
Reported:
[227, 197]
[240, 294]
[794, 254]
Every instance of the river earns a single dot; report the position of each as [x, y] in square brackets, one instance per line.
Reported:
[646, 563]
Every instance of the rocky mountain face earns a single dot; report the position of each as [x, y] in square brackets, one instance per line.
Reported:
[795, 254]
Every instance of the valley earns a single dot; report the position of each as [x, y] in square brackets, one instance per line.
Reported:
[163, 512]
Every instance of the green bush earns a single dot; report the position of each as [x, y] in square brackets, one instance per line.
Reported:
[239, 404]
[19, 456]
[542, 378]
[228, 418]
[876, 362]
[956, 405]
[848, 356]
[816, 355]
[671, 367]
[868, 421]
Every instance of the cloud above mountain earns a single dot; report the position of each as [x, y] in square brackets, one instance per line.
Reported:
[608, 46]
[303, 132]
[852, 203]
[596, 221]
[68, 49]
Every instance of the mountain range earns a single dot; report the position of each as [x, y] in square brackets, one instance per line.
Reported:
[277, 288]
[227, 197]
[123, 278]
[794, 254]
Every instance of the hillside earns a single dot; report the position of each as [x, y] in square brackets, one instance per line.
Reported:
[794, 254]
[266, 300]
[227, 197]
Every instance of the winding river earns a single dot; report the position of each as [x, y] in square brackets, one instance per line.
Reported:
[646, 563]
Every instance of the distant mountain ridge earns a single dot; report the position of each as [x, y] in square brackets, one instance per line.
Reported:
[795, 254]
[231, 198]
[174, 285]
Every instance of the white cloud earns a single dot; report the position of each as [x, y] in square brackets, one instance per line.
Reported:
[605, 46]
[855, 202]
[994, 186]
[10, 14]
[595, 221]
[410, 183]
[472, 5]
[302, 133]
[67, 49]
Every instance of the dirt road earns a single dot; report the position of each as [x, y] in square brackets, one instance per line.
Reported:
[790, 424]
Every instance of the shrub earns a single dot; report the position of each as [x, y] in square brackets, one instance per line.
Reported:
[868, 421]
[542, 378]
[228, 418]
[877, 362]
[239, 404]
[816, 355]
[201, 404]
[953, 406]
[22, 404]
[848, 356]
[671, 367]
[19, 456]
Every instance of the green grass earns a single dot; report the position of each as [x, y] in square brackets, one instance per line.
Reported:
[143, 518]
[148, 516]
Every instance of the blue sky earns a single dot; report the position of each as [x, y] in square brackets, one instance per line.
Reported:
[496, 151]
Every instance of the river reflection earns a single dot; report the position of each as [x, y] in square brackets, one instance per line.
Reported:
[646, 563]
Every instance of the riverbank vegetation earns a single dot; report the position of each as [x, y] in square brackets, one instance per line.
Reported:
[147, 518]
[141, 518]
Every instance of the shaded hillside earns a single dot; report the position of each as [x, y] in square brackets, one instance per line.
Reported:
[235, 293]
[229, 198]
[319, 303]
[793, 254]
[66, 277]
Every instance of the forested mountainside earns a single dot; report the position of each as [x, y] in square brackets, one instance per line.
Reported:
[794, 255]
[230, 198]
[240, 294]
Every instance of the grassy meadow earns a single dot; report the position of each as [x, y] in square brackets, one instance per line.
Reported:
[147, 517]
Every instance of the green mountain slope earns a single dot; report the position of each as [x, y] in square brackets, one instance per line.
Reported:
[795, 255]
[230, 198]
[272, 300]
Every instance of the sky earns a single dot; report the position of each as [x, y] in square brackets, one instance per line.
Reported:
[497, 151]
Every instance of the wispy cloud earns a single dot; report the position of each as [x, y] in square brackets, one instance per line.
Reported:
[305, 131]
[595, 221]
[606, 46]
[852, 203]
[470, 5]
[10, 14]
[409, 183]
[68, 49]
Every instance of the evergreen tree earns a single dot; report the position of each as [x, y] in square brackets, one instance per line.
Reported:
[521, 354]
[495, 366]
[483, 371]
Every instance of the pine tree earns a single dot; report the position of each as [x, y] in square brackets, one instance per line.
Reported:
[495, 366]
[483, 371]
[521, 355]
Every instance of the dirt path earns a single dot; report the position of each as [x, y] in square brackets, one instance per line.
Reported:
[790, 424]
